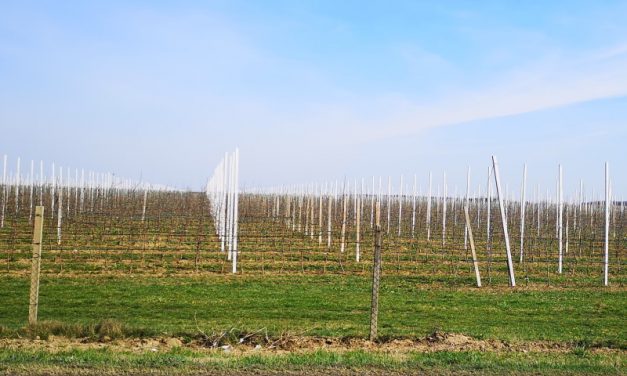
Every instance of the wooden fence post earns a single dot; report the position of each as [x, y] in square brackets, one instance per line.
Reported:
[34, 279]
[376, 276]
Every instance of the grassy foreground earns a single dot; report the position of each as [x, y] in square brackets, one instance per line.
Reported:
[181, 361]
[318, 305]
[331, 305]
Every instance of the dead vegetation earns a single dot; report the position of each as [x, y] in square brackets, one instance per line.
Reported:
[110, 335]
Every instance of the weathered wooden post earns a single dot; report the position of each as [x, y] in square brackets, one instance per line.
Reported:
[34, 279]
[144, 206]
[376, 275]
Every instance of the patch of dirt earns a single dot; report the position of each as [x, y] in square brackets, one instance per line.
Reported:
[437, 341]
[58, 344]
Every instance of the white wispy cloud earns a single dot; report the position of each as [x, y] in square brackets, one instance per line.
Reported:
[553, 81]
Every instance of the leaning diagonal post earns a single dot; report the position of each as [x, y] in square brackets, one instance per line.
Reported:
[510, 265]
[475, 263]
[34, 279]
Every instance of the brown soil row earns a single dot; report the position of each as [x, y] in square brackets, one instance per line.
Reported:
[437, 341]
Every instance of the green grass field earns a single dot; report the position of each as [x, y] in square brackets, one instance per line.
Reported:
[179, 361]
[331, 305]
[114, 280]
[324, 305]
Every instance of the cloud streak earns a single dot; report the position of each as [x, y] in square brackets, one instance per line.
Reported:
[553, 82]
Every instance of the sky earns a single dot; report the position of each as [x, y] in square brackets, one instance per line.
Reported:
[314, 91]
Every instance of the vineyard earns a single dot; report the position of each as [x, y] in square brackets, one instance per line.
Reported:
[299, 259]
[312, 229]
[424, 188]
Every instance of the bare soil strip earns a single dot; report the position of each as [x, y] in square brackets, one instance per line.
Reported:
[437, 341]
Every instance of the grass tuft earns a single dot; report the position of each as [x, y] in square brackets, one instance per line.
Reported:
[106, 329]
[44, 329]
[110, 328]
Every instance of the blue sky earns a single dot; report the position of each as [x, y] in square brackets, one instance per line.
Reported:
[314, 91]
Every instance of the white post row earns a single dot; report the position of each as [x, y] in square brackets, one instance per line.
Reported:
[58, 187]
[223, 193]
[302, 195]
[225, 184]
